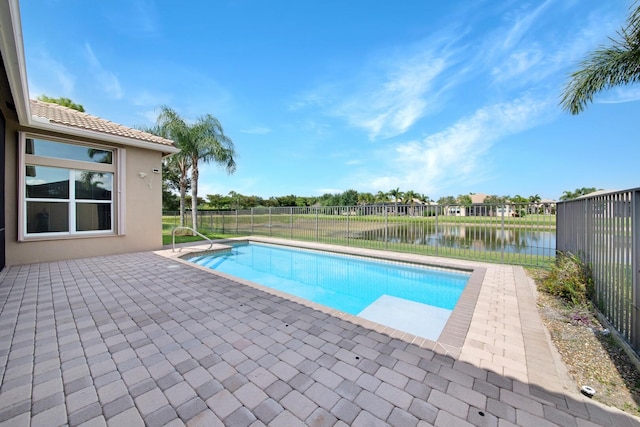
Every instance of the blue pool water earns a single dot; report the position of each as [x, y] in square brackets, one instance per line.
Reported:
[344, 282]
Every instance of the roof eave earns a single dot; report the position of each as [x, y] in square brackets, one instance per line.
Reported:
[45, 125]
[13, 57]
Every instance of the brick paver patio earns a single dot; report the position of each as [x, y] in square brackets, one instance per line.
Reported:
[142, 339]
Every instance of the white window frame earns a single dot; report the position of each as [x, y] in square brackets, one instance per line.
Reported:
[117, 168]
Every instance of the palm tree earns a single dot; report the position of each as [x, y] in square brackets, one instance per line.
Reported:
[533, 203]
[170, 125]
[606, 67]
[209, 144]
[382, 197]
[410, 198]
[397, 195]
[570, 195]
[365, 198]
[567, 195]
[204, 140]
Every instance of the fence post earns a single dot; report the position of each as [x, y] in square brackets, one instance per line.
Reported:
[269, 220]
[348, 215]
[316, 224]
[436, 230]
[386, 227]
[236, 221]
[635, 269]
[222, 222]
[252, 221]
[504, 208]
[291, 223]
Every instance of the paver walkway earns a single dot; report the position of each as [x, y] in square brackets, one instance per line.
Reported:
[141, 339]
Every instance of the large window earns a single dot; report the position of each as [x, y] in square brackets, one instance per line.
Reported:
[67, 189]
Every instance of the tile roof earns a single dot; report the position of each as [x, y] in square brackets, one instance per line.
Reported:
[58, 114]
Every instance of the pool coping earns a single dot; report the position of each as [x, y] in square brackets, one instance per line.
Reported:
[454, 333]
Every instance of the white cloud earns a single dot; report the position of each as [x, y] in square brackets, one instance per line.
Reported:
[391, 106]
[256, 131]
[390, 94]
[150, 99]
[530, 54]
[149, 116]
[50, 77]
[620, 95]
[107, 80]
[457, 154]
[518, 63]
[522, 25]
[322, 191]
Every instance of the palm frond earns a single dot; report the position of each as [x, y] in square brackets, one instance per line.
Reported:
[606, 67]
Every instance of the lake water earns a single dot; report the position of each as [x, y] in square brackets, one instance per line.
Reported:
[511, 240]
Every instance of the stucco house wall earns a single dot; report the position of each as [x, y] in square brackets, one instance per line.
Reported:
[142, 210]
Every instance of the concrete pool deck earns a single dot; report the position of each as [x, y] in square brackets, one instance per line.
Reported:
[144, 339]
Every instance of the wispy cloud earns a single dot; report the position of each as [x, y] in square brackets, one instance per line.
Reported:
[456, 154]
[522, 24]
[50, 77]
[620, 95]
[146, 15]
[517, 64]
[390, 107]
[136, 18]
[390, 94]
[107, 80]
[530, 54]
[256, 131]
[146, 98]
[322, 191]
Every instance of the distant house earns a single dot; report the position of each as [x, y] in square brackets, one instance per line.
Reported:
[478, 207]
[73, 185]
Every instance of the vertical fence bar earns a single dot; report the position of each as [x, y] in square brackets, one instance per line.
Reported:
[504, 208]
[348, 215]
[316, 224]
[635, 268]
[386, 228]
[437, 232]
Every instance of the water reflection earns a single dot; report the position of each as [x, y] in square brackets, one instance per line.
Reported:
[512, 240]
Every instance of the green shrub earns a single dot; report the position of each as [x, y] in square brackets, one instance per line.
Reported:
[570, 279]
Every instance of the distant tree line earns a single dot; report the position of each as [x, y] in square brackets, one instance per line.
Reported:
[234, 200]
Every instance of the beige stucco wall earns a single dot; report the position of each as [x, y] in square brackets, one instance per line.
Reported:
[143, 207]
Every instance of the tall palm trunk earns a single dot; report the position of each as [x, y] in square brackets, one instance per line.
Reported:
[183, 190]
[194, 192]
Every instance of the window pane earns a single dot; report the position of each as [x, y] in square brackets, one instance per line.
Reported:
[93, 216]
[93, 185]
[47, 183]
[47, 217]
[59, 150]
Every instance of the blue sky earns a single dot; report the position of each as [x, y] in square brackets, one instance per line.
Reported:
[442, 98]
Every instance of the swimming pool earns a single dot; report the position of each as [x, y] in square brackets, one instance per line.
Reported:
[412, 298]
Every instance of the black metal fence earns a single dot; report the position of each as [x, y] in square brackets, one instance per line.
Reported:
[603, 230]
[506, 233]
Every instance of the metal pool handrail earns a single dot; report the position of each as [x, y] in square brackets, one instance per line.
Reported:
[173, 237]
